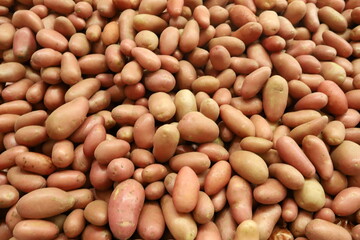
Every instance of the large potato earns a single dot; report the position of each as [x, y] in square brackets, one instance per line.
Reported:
[64, 120]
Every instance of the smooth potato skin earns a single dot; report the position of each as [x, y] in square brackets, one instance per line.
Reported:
[124, 208]
[35, 230]
[151, 221]
[45, 202]
[318, 229]
[63, 122]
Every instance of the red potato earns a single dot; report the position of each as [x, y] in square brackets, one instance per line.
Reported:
[27, 18]
[266, 218]
[73, 113]
[254, 82]
[346, 151]
[346, 202]
[11, 72]
[217, 178]
[226, 224]
[35, 162]
[31, 135]
[93, 139]
[153, 172]
[155, 190]
[92, 232]
[248, 229]
[232, 117]
[240, 198]
[204, 210]
[98, 176]
[66, 180]
[320, 230]
[291, 153]
[199, 162]
[35, 229]
[41, 198]
[24, 44]
[124, 208]
[151, 223]
[9, 195]
[289, 210]
[297, 227]
[270, 192]
[74, 223]
[185, 200]
[82, 197]
[25, 181]
[96, 212]
[286, 65]
[313, 127]
[214, 151]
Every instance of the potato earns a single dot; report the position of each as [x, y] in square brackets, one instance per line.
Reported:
[248, 229]
[151, 223]
[345, 158]
[124, 208]
[96, 213]
[318, 229]
[74, 223]
[9, 195]
[311, 197]
[35, 229]
[110, 149]
[195, 127]
[66, 180]
[199, 162]
[217, 178]
[249, 166]
[50, 201]
[266, 217]
[25, 181]
[239, 195]
[35, 162]
[346, 202]
[63, 122]
[270, 192]
[185, 200]
[181, 225]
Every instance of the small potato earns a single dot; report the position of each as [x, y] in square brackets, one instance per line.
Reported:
[181, 225]
[336, 183]
[160, 81]
[31, 136]
[298, 226]
[62, 202]
[124, 208]
[313, 127]
[11, 72]
[25, 181]
[96, 213]
[226, 224]
[27, 18]
[270, 192]
[155, 190]
[345, 158]
[128, 114]
[95, 137]
[151, 221]
[204, 210]
[266, 217]
[166, 139]
[154, 172]
[232, 117]
[35, 162]
[189, 39]
[311, 197]
[161, 106]
[120, 169]
[62, 122]
[66, 180]
[346, 202]
[104, 156]
[247, 230]
[249, 166]
[141, 157]
[98, 176]
[83, 197]
[286, 65]
[148, 22]
[92, 232]
[291, 153]
[146, 58]
[93, 64]
[186, 190]
[319, 229]
[195, 127]
[49, 38]
[35, 229]
[334, 133]
[240, 198]
[337, 102]
[256, 144]
[275, 96]
[63, 153]
[217, 178]
[74, 223]
[214, 151]
[9, 195]
[199, 162]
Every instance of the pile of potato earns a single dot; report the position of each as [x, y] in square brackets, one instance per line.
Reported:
[180, 119]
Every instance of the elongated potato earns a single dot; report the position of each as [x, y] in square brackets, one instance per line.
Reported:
[319, 229]
[249, 166]
[151, 223]
[33, 204]
[62, 122]
[181, 225]
[124, 208]
[186, 190]
[35, 229]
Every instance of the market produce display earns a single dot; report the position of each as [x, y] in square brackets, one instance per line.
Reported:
[180, 119]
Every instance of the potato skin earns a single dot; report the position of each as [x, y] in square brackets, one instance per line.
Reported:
[196, 127]
[63, 121]
[345, 158]
[124, 208]
[318, 229]
[35, 230]
[151, 221]
[311, 197]
[44, 202]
